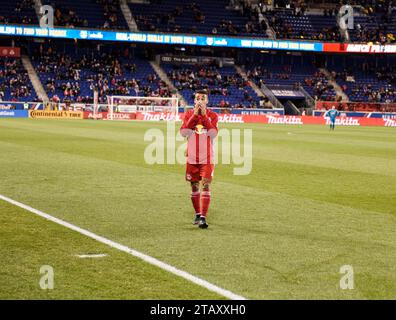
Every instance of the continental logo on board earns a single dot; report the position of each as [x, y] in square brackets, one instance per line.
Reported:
[37, 114]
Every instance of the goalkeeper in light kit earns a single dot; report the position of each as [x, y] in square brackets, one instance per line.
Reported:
[333, 113]
[200, 128]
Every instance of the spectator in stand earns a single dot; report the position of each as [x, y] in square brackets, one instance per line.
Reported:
[106, 74]
[15, 80]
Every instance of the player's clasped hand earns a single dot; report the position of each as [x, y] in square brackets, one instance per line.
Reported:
[203, 110]
[197, 109]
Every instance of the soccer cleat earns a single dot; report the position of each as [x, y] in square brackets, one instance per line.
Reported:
[202, 223]
[197, 218]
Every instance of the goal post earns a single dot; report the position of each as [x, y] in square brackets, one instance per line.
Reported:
[133, 104]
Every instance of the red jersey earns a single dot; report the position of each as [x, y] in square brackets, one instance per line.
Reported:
[200, 132]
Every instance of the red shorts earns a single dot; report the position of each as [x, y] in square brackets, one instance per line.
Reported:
[195, 172]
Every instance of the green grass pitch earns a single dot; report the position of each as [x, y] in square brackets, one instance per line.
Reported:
[314, 201]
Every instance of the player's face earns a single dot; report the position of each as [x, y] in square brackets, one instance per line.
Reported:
[201, 100]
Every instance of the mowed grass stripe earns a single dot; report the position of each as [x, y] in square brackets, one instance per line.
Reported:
[379, 138]
[347, 187]
[29, 242]
[296, 152]
[335, 147]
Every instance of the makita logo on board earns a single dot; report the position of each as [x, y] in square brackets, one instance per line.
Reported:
[285, 120]
[345, 121]
[389, 123]
[160, 116]
[230, 118]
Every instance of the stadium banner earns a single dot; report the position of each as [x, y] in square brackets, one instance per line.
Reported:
[257, 112]
[223, 118]
[192, 39]
[40, 114]
[245, 118]
[358, 48]
[286, 93]
[173, 59]
[340, 121]
[10, 52]
[272, 119]
[13, 113]
[106, 115]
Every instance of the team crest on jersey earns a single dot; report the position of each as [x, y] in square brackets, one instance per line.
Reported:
[199, 129]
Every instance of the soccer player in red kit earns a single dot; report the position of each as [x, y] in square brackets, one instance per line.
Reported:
[200, 128]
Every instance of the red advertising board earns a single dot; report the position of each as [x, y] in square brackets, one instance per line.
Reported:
[236, 118]
[358, 48]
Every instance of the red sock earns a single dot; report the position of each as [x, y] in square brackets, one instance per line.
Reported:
[196, 201]
[205, 197]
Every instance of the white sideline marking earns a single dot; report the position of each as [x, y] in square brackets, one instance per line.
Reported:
[203, 283]
[84, 256]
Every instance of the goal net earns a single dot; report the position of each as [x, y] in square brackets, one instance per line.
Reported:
[133, 104]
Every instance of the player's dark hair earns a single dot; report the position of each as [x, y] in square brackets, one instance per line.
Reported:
[202, 91]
